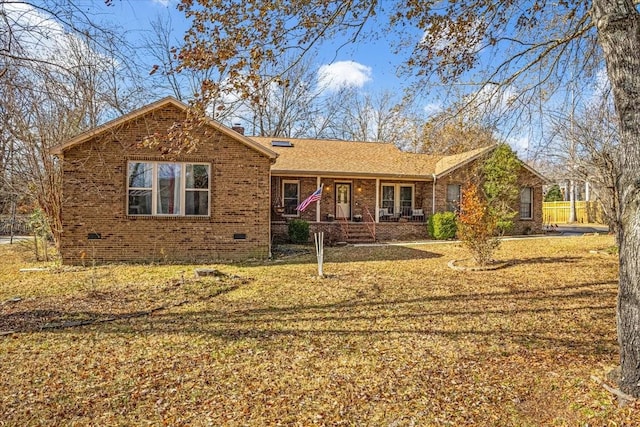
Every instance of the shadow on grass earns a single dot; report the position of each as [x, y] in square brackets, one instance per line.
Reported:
[307, 255]
[545, 260]
[562, 317]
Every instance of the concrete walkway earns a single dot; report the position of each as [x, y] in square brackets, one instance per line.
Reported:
[564, 230]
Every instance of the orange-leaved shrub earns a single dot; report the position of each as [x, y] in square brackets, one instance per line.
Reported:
[477, 225]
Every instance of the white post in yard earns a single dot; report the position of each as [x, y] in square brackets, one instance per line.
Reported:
[319, 239]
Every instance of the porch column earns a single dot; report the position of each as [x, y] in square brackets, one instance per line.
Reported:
[318, 202]
[377, 212]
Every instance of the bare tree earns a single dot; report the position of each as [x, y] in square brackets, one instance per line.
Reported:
[284, 100]
[584, 147]
[168, 74]
[521, 52]
[369, 117]
[59, 79]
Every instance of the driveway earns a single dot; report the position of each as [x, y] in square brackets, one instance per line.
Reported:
[579, 229]
[7, 239]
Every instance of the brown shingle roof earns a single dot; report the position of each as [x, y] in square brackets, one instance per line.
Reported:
[347, 158]
[447, 164]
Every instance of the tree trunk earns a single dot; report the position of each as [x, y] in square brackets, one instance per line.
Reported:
[618, 25]
[572, 201]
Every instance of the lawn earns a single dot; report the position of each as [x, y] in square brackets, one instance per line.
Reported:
[391, 337]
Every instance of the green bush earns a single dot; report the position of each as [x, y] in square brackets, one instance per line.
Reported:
[504, 227]
[298, 231]
[554, 194]
[442, 225]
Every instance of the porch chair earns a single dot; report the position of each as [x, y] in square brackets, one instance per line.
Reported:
[417, 215]
[383, 214]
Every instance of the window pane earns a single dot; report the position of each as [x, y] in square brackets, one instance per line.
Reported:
[388, 197]
[453, 197]
[196, 203]
[526, 205]
[169, 188]
[525, 195]
[139, 202]
[406, 198]
[197, 176]
[290, 190]
[290, 198]
[140, 175]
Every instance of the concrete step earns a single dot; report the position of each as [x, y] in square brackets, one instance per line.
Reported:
[359, 233]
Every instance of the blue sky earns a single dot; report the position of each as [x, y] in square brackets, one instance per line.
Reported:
[370, 65]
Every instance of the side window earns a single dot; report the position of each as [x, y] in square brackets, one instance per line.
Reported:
[453, 197]
[526, 203]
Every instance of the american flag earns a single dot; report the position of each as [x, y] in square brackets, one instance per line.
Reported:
[314, 197]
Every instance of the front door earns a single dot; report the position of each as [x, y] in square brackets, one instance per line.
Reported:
[343, 200]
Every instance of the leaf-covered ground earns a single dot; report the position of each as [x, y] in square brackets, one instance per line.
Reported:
[391, 337]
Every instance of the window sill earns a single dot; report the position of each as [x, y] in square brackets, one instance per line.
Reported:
[170, 217]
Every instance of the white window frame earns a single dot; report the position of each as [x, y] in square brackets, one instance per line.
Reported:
[396, 194]
[297, 183]
[183, 190]
[530, 203]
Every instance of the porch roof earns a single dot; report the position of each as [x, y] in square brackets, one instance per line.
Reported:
[347, 158]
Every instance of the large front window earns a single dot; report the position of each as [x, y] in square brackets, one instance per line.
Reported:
[397, 199]
[163, 188]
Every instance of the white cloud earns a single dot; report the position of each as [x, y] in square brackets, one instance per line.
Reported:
[601, 89]
[164, 3]
[432, 108]
[343, 74]
[520, 145]
[42, 38]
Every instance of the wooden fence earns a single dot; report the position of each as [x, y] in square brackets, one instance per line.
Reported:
[559, 212]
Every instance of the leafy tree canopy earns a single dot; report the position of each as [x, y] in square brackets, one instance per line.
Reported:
[500, 185]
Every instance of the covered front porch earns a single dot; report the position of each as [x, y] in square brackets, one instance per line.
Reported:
[354, 208]
[356, 232]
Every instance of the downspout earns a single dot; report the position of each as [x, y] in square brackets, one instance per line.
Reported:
[433, 194]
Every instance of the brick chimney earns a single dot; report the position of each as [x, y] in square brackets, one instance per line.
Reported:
[238, 128]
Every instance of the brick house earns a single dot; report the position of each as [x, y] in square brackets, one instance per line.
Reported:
[231, 196]
[375, 191]
[125, 202]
